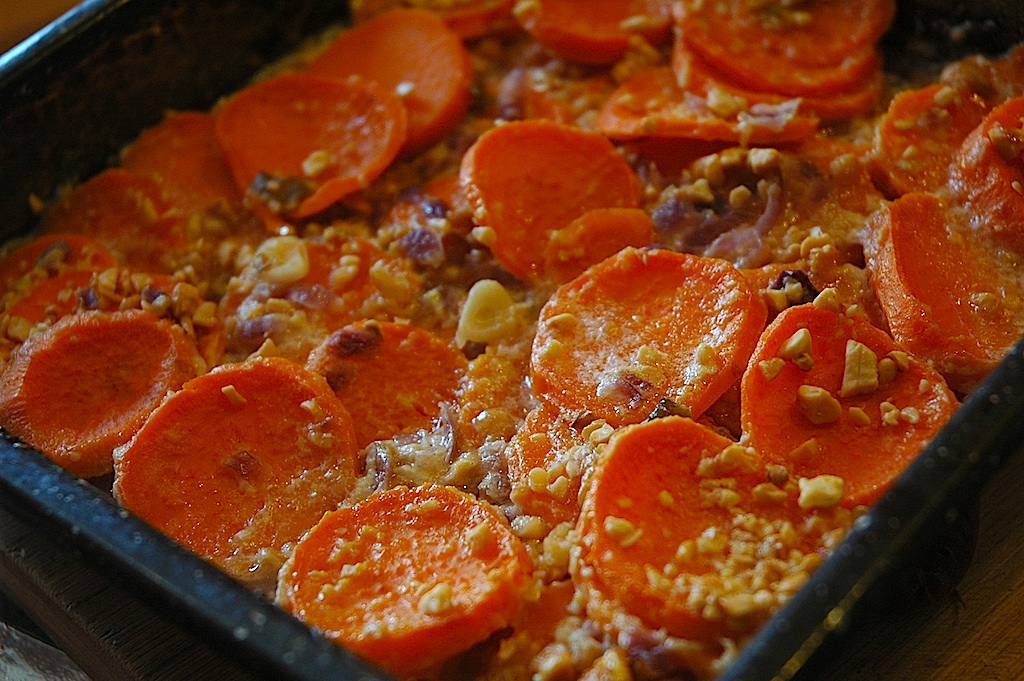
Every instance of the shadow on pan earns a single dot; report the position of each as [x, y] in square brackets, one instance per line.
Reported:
[957, 27]
[73, 95]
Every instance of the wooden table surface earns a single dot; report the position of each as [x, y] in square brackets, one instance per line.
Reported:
[20, 18]
[973, 634]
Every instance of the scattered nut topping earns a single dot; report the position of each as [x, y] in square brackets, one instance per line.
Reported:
[791, 287]
[769, 493]
[910, 415]
[598, 432]
[1009, 143]
[707, 355]
[316, 163]
[346, 271]
[205, 315]
[818, 405]
[724, 104]
[901, 359]
[770, 368]
[480, 538]
[698, 192]
[648, 355]
[890, 413]
[763, 159]
[738, 604]
[805, 451]
[19, 329]
[860, 373]
[236, 398]
[816, 240]
[797, 349]
[828, 299]
[719, 493]
[530, 527]
[740, 196]
[485, 236]
[563, 321]
[538, 479]
[821, 491]
[558, 488]
[425, 507]
[733, 460]
[712, 541]
[436, 601]
[622, 531]
[311, 406]
[946, 95]
[887, 371]
[553, 348]
[638, 23]
[858, 416]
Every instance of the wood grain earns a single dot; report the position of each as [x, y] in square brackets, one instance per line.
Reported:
[105, 629]
[977, 632]
[20, 18]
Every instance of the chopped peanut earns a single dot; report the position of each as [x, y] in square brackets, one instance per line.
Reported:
[797, 349]
[623, 531]
[821, 491]
[437, 601]
[818, 405]
[860, 373]
[771, 368]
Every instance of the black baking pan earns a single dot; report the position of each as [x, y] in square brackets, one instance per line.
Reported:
[73, 95]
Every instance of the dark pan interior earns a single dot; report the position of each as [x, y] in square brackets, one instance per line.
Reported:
[79, 91]
[959, 26]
